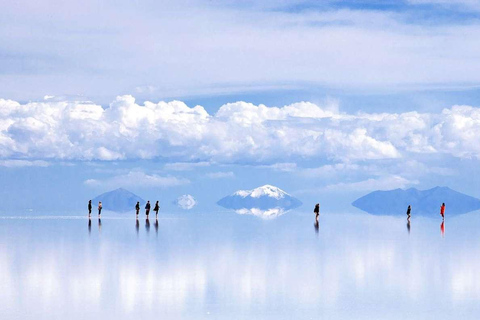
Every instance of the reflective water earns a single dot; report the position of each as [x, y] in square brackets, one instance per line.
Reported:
[227, 266]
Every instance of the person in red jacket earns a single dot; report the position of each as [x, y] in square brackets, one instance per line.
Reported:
[442, 210]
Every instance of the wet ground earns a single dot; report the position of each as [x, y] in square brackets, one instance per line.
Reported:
[229, 266]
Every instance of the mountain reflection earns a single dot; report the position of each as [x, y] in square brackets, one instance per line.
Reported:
[249, 267]
[263, 213]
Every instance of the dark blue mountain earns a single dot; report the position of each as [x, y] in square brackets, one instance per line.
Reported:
[423, 202]
[119, 200]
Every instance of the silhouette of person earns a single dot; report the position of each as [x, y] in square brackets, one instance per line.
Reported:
[442, 210]
[156, 208]
[317, 211]
[147, 225]
[89, 208]
[147, 208]
[409, 209]
[442, 228]
[99, 209]
[137, 208]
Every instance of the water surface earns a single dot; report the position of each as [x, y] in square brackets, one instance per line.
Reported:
[228, 266]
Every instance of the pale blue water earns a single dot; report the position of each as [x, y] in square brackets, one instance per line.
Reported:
[228, 266]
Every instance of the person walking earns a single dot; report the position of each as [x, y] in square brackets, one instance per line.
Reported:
[317, 211]
[409, 209]
[147, 208]
[156, 208]
[442, 210]
[99, 208]
[137, 208]
[89, 208]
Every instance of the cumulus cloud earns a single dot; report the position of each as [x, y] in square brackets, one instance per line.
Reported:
[137, 179]
[186, 202]
[238, 133]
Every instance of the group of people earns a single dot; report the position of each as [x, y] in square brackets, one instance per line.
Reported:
[137, 209]
[442, 211]
[147, 209]
[316, 210]
[90, 208]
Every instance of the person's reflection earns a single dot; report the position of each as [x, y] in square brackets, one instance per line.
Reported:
[137, 226]
[147, 225]
[156, 226]
[99, 224]
[442, 229]
[316, 225]
[408, 225]
[89, 226]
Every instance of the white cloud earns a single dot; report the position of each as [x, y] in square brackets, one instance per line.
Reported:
[280, 166]
[23, 163]
[238, 132]
[220, 175]
[186, 202]
[467, 4]
[344, 47]
[137, 179]
[185, 166]
[381, 183]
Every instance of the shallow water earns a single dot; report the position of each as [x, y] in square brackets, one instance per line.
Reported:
[228, 266]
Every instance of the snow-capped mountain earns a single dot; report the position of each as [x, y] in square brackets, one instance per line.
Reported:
[423, 202]
[266, 190]
[264, 198]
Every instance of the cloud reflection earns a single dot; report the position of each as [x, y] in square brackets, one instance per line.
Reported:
[173, 277]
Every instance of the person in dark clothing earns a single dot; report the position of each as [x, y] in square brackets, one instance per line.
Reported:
[99, 209]
[89, 208]
[409, 209]
[147, 208]
[137, 208]
[156, 208]
[317, 211]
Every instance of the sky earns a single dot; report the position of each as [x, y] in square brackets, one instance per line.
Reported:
[327, 100]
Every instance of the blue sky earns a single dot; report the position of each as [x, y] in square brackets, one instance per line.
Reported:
[328, 100]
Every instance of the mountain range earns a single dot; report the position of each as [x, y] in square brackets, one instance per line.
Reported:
[423, 202]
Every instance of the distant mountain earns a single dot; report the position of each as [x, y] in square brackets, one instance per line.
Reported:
[423, 202]
[119, 200]
[262, 199]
